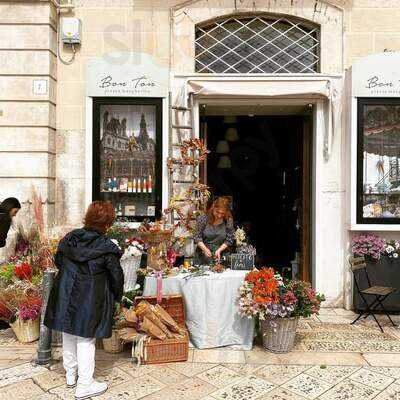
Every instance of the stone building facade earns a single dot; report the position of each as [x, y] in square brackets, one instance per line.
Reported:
[44, 106]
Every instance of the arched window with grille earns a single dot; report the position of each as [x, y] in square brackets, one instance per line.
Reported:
[257, 44]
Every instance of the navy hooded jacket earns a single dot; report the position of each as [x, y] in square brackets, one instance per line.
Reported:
[89, 282]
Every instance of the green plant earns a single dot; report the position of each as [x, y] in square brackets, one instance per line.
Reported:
[7, 272]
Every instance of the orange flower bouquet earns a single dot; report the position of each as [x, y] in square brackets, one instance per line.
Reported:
[266, 296]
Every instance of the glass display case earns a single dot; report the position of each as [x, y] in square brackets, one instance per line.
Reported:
[378, 191]
[127, 155]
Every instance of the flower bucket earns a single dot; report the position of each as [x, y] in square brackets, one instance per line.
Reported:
[26, 331]
[279, 338]
[112, 344]
[130, 266]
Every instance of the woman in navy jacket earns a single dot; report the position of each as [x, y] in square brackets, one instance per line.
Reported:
[81, 303]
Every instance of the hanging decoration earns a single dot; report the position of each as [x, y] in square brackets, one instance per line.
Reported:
[192, 152]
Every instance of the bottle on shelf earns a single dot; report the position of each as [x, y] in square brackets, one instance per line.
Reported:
[130, 188]
[144, 185]
[139, 186]
[134, 186]
[109, 185]
[150, 185]
[115, 185]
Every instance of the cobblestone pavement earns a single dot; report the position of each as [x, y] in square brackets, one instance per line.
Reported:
[332, 360]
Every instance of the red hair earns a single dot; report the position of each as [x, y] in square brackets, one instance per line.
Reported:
[100, 215]
[223, 203]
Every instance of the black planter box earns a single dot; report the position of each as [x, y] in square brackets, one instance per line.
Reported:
[385, 272]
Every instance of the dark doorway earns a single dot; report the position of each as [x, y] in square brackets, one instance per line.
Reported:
[263, 162]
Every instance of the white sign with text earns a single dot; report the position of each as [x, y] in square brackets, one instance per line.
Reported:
[135, 75]
[377, 75]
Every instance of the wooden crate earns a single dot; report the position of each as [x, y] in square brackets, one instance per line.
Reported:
[169, 350]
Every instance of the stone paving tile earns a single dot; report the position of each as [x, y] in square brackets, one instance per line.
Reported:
[307, 386]
[249, 388]
[279, 374]
[192, 369]
[243, 369]
[21, 391]
[372, 379]
[306, 358]
[50, 379]
[390, 393]
[47, 396]
[219, 356]
[191, 388]
[64, 393]
[167, 375]
[349, 390]
[331, 374]
[281, 394]
[113, 377]
[381, 359]
[220, 376]
[19, 373]
[136, 371]
[133, 389]
[393, 372]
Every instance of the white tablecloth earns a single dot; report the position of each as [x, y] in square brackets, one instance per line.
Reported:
[211, 308]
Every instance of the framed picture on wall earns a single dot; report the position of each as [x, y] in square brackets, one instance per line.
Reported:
[378, 161]
[127, 155]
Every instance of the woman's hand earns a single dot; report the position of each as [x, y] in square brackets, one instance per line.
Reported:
[207, 252]
[218, 255]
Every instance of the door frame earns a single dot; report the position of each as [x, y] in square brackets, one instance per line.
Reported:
[309, 252]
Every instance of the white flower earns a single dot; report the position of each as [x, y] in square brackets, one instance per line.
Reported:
[395, 255]
[389, 249]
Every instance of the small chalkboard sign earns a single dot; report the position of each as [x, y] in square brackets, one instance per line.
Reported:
[242, 261]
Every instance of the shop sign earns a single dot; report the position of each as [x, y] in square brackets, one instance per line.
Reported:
[377, 75]
[242, 261]
[141, 78]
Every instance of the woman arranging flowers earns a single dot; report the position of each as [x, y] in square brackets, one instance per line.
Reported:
[214, 232]
[277, 304]
[81, 303]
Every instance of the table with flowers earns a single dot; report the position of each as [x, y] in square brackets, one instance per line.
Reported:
[211, 298]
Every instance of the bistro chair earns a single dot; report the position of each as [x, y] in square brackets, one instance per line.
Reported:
[380, 293]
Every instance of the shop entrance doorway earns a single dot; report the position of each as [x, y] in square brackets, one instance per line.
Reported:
[261, 158]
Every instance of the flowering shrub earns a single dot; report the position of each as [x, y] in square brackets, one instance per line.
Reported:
[266, 296]
[23, 271]
[369, 246]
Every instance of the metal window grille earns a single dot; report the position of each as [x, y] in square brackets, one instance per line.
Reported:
[257, 45]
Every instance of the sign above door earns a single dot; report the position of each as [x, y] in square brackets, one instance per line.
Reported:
[126, 75]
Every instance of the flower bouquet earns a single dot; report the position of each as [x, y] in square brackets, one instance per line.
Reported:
[277, 305]
[20, 306]
[242, 245]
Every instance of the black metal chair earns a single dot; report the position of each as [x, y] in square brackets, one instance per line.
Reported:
[358, 266]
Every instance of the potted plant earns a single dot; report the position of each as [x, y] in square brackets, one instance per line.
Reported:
[383, 267]
[277, 305]
[20, 306]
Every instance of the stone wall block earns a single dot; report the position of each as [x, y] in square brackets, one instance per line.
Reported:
[21, 88]
[27, 139]
[28, 113]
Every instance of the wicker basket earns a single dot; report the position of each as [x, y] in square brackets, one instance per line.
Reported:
[168, 350]
[280, 337]
[56, 338]
[26, 331]
[129, 267]
[112, 344]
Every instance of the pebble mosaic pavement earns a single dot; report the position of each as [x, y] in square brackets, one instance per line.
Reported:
[332, 360]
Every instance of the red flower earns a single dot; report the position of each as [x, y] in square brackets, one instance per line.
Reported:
[23, 271]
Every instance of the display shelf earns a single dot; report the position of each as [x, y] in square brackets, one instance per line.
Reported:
[125, 192]
[375, 227]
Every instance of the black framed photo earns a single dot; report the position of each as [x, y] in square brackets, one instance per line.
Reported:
[127, 155]
[378, 161]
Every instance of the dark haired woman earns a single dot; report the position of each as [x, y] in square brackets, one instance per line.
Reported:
[81, 302]
[214, 232]
[8, 210]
